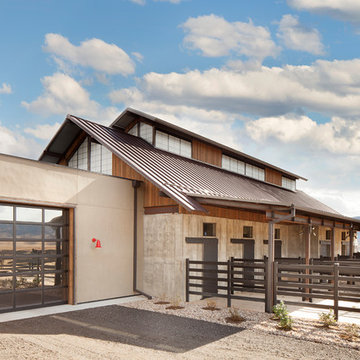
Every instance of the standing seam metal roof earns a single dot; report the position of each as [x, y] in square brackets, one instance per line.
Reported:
[184, 178]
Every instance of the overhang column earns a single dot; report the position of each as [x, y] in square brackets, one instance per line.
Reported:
[332, 244]
[270, 270]
[352, 238]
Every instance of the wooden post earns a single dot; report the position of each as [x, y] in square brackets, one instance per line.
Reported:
[187, 280]
[71, 274]
[336, 290]
[276, 270]
[332, 244]
[229, 274]
[232, 275]
[307, 256]
[352, 236]
[269, 270]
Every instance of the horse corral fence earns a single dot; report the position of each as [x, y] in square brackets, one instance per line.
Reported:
[294, 281]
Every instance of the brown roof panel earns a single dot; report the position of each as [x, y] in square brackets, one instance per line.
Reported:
[185, 179]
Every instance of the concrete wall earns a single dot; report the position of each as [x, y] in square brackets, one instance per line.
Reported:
[165, 249]
[103, 209]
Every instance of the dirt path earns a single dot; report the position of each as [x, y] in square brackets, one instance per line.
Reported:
[116, 332]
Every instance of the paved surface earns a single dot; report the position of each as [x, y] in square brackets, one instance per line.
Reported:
[130, 326]
[116, 332]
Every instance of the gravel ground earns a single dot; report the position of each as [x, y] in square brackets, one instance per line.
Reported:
[139, 330]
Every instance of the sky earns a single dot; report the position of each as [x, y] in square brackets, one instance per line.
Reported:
[276, 79]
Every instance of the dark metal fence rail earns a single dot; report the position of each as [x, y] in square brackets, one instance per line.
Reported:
[318, 281]
[227, 279]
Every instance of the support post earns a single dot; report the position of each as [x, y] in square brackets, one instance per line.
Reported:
[276, 271]
[352, 238]
[187, 280]
[269, 270]
[307, 256]
[229, 274]
[332, 244]
[336, 290]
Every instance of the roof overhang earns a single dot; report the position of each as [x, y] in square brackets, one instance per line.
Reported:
[276, 211]
[61, 142]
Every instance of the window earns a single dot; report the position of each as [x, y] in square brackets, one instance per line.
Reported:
[343, 235]
[146, 132]
[172, 144]
[328, 235]
[239, 167]
[233, 165]
[255, 172]
[80, 158]
[248, 232]
[288, 183]
[134, 130]
[277, 234]
[209, 229]
[325, 248]
[100, 158]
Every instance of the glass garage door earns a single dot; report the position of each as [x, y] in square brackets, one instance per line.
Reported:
[33, 256]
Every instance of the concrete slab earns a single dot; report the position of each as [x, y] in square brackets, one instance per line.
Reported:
[58, 309]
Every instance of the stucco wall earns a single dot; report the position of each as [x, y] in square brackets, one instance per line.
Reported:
[103, 209]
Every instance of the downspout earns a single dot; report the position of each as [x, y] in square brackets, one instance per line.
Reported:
[136, 185]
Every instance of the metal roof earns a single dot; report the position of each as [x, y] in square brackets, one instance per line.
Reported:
[129, 115]
[186, 180]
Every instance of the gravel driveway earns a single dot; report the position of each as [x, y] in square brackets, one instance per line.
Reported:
[117, 332]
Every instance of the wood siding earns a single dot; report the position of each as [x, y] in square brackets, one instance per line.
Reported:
[121, 169]
[273, 176]
[152, 197]
[229, 213]
[206, 153]
[71, 285]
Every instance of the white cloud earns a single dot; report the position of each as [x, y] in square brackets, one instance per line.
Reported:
[338, 136]
[170, 1]
[43, 132]
[139, 57]
[13, 143]
[5, 89]
[214, 36]
[213, 124]
[328, 87]
[93, 53]
[295, 36]
[63, 94]
[139, 2]
[348, 10]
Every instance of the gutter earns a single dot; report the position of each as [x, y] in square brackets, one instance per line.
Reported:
[136, 185]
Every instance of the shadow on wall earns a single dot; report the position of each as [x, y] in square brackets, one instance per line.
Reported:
[141, 328]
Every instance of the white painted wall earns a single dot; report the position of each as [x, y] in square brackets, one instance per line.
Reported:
[103, 209]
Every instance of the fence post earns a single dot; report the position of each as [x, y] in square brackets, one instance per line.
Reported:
[229, 275]
[276, 269]
[266, 283]
[187, 280]
[232, 275]
[310, 280]
[336, 290]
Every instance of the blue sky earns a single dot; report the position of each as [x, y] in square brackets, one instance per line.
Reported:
[279, 80]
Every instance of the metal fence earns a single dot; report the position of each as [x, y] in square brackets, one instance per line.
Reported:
[295, 282]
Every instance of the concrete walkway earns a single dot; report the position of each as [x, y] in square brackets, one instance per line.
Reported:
[59, 309]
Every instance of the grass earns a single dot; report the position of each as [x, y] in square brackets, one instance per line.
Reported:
[234, 316]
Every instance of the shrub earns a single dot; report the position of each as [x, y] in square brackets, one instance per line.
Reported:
[286, 322]
[234, 316]
[279, 310]
[327, 319]
[211, 305]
